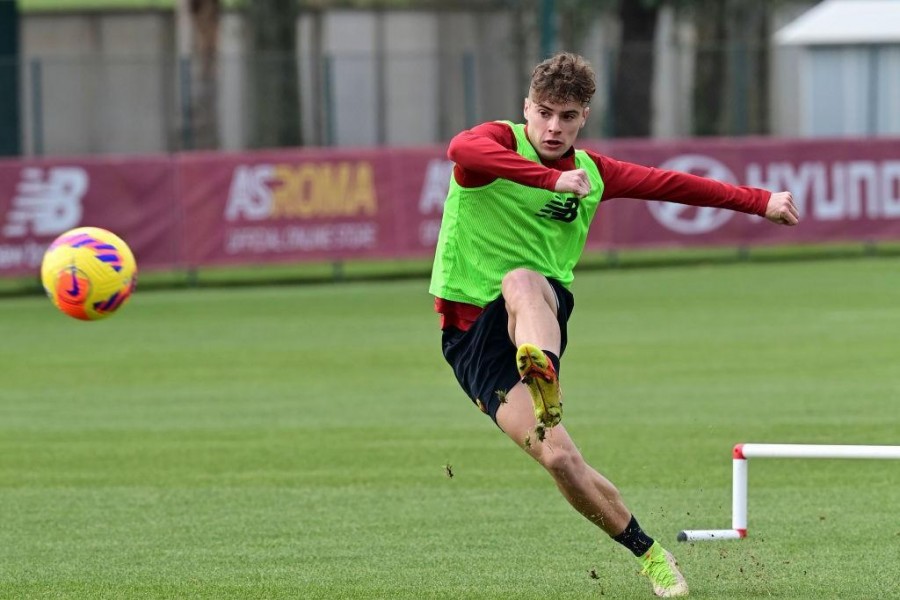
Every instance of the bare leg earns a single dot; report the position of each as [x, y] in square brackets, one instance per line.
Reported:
[531, 304]
[587, 491]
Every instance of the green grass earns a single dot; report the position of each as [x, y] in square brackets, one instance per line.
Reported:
[291, 442]
[380, 269]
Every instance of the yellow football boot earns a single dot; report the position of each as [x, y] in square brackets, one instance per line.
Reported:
[540, 378]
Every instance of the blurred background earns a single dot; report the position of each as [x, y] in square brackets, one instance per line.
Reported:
[159, 118]
[136, 76]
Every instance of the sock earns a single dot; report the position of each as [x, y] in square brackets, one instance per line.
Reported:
[634, 538]
[554, 359]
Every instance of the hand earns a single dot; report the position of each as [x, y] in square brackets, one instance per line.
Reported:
[781, 209]
[574, 182]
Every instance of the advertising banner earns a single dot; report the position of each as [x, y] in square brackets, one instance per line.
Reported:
[294, 205]
[312, 204]
[845, 190]
[135, 198]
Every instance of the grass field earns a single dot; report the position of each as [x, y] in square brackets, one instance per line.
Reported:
[292, 442]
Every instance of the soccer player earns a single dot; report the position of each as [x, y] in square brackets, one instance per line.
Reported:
[515, 221]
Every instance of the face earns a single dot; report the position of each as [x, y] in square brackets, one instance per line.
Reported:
[553, 127]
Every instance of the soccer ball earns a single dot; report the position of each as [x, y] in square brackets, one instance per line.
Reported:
[88, 273]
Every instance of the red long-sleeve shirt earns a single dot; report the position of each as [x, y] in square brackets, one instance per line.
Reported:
[488, 152]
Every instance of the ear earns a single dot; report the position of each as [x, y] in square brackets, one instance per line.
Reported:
[587, 111]
[525, 107]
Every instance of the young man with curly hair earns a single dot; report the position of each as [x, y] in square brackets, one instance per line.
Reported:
[515, 222]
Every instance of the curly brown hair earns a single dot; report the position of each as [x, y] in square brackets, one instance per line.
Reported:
[562, 78]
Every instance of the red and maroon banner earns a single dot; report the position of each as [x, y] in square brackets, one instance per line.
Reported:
[845, 190]
[134, 198]
[312, 204]
[303, 205]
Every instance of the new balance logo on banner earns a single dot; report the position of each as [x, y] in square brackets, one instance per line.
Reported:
[46, 203]
[560, 210]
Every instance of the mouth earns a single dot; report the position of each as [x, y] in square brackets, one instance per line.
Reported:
[553, 144]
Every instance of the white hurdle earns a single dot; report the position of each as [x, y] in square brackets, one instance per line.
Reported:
[742, 452]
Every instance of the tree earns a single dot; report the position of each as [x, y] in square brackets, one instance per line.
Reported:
[199, 49]
[632, 85]
[733, 65]
[630, 97]
[709, 67]
[274, 72]
[9, 79]
[731, 84]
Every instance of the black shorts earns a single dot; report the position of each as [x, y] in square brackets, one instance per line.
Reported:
[484, 358]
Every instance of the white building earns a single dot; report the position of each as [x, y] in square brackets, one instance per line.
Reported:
[837, 70]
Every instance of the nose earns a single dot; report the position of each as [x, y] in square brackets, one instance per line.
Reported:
[553, 124]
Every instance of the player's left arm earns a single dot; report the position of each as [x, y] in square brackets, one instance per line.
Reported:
[629, 180]
[781, 209]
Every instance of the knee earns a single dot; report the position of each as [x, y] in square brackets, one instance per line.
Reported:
[562, 463]
[520, 284]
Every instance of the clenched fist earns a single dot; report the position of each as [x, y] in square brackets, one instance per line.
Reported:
[781, 209]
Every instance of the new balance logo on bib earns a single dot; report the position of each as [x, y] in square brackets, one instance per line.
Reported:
[559, 210]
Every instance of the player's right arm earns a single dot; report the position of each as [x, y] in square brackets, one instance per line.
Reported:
[575, 182]
[488, 152]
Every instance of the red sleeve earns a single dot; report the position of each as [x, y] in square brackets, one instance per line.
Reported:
[629, 180]
[488, 152]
